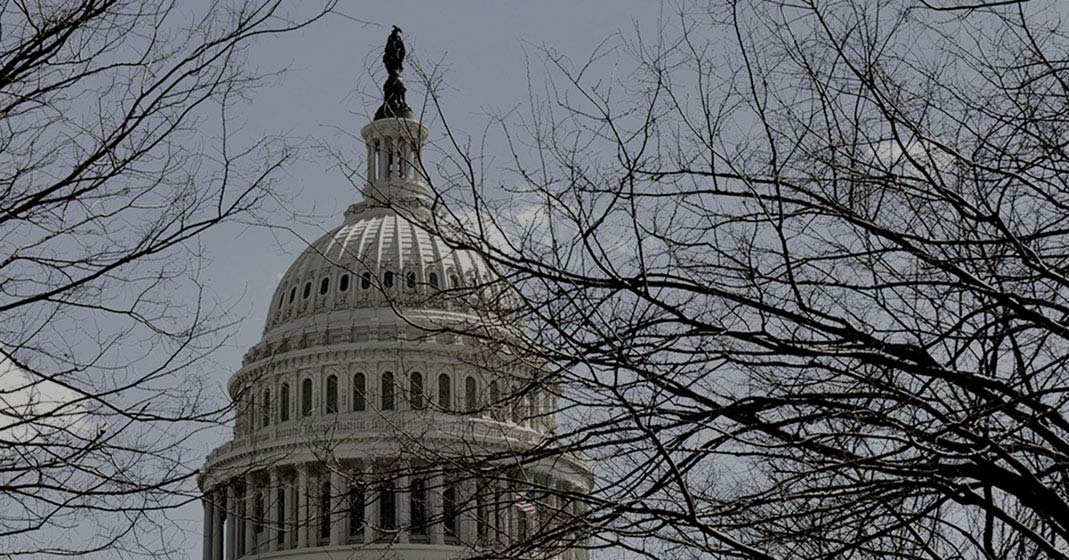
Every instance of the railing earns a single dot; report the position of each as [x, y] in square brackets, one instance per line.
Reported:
[411, 422]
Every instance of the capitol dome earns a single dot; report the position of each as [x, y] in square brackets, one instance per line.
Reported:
[371, 420]
[374, 257]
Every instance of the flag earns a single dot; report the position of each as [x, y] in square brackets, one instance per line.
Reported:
[522, 503]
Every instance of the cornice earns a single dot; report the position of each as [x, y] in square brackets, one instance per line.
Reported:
[372, 437]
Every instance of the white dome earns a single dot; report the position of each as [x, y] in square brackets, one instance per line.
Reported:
[375, 258]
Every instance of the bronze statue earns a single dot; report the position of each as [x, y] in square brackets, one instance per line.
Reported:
[394, 57]
[393, 91]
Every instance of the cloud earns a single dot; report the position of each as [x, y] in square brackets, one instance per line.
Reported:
[36, 410]
[523, 224]
[912, 156]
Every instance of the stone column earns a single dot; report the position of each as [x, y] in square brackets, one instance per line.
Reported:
[508, 497]
[251, 519]
[271, 503]
[369, 502]
[391, 157]
[231, 522]
[370, 162]
[206, 549]
[289, 514]
[467, 496]
[435, 488]
[337, 508]
[217, 525]
[303, 520]
[383, 157]
[404, 518]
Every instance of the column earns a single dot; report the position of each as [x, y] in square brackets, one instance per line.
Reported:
[251, 519]
[582, 553]
[404, 518]
[240, 518]
[435, 487]
[231, 522]
[512, 522]
[383, 148]
[337, 508]
[271, 503]
[289, 514]
[206, 549]
[217, 525]
[276, 395]
[370, 163]
[369, 502]
[303, 519]
[469, 510]
[391, 158]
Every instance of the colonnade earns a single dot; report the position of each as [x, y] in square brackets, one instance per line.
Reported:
[392, 158]
[305, 505]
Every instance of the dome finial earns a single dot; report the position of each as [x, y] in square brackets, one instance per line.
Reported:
[393, 91]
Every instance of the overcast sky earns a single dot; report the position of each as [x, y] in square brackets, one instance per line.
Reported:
[325, 90]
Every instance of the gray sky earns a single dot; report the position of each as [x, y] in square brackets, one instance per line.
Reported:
[325, 88]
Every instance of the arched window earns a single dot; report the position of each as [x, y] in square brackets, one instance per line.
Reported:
[306, 397]
[445, 397]
[324, 285]
[307, 290]
[293, 294]
[449, 514]
[377, 160]
[387, 279]
[415, 390]
[343, 284]
[281, 301]
[470, 395]
[365, 281]
[265, 409]
[417, 509]
[359, 392]
[387, 391]
[331, 395]
[432, 278]
[258, 513]
[280, 517]
[284, 403]
[523, 522]
[387, 506]
[410, 280]
[453, 281]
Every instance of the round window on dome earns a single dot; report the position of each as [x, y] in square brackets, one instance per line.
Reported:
[343, 284]
[432, 278]
[410, 280]
[365, 281]
[307, 290]
[387, 279]
[293, 293]
[324, 286]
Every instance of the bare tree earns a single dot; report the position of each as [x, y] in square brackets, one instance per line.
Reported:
[798, 277]
[115, 158]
